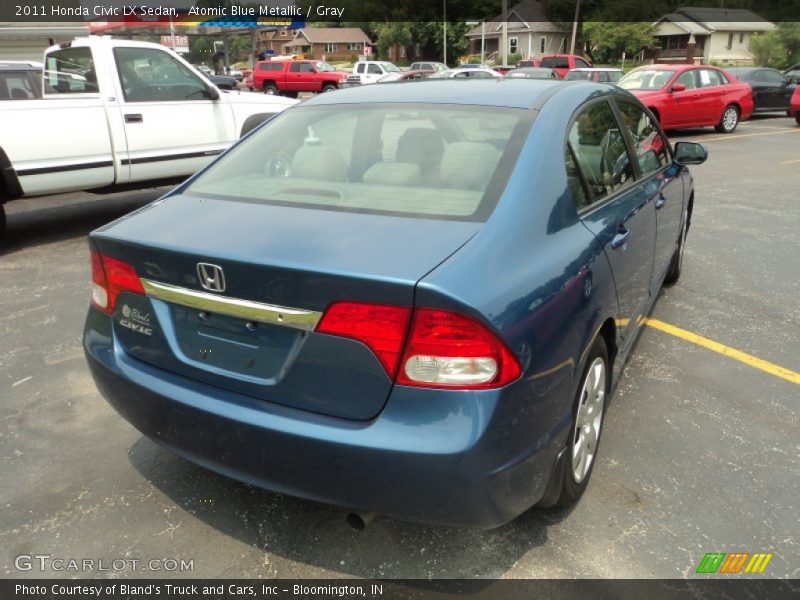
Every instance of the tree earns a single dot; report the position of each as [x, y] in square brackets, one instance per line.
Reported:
[789, 32]
[607, 40]
[768, 49]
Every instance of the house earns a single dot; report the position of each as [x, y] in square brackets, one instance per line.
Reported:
[271, 41]
[328, 43]
[529, 33]
[708, 35]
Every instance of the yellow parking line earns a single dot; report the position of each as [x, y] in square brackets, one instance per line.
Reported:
[744, 135]
[790, 162]
[743, 357]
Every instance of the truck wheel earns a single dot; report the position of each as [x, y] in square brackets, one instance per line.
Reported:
[328, 87]
[270, 88]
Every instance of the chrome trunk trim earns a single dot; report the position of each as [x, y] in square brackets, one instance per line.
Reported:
[233, 307]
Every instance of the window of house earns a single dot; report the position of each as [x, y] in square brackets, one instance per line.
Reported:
[513, 45]
[329, 47]
[542, 44]
[354, 47]
[729, 45]
[741, 38]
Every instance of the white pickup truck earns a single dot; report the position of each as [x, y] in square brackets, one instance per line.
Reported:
[117, 114]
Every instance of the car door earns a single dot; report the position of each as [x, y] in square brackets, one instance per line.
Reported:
[614, 206]
[172, 127]
[682, 110]
[300, 78]
[712, 96]
[660, 178]
[778, 89]
[373, 72]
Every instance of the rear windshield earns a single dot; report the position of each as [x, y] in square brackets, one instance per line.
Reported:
[646, 79]
[435, 161]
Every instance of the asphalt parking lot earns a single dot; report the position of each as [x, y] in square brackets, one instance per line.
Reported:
[700, 449]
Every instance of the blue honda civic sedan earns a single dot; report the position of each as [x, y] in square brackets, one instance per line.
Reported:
[411, 300]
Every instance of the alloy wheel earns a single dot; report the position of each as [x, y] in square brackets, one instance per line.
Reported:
[589, 419]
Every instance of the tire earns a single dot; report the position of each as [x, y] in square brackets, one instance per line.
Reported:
[729, 120]
[270, 88]
[574, 470]
[797, 118]
[676, 263]
[328, 87]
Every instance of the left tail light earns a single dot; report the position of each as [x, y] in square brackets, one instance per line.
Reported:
[111, 277]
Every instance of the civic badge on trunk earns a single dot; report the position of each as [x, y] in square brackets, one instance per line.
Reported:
[211, 277]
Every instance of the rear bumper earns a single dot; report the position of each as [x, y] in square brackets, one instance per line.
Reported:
[447, 460]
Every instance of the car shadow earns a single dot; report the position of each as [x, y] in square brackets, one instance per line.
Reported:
[35, 221]
[317, 535]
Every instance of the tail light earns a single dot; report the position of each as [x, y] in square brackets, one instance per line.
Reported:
[442, 349]
[111, 277]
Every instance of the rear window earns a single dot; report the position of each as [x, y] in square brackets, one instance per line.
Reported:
[270, 66]
[646, 79]
[435, 161]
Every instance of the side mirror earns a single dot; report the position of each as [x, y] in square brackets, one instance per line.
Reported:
[678, 87]
[213, 93]
[690, 153]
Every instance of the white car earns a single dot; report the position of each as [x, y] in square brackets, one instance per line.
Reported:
[370, 71]
[117, 113]
[468, 72]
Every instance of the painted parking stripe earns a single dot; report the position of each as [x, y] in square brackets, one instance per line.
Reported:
[744, 135]
[748, 359]
[791, 162]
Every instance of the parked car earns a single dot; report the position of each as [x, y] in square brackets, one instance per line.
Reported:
[532, 73]
[237, 74]
[167, 121]
[772, 90]
[793, 73]
[794, 107]
[405, 76]
[532, 62]
[563, 63]
[467, 73]
[20, 80]
[289, 77]
[363, 306]
[601, 75]
[428, 66]
[223, 82]
[370, 71]
[250, 82]
[683, 96]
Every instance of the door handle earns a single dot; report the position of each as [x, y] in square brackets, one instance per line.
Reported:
[662, 200]
[621, 238]
[134, 118]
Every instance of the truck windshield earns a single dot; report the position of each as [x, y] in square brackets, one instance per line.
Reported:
[434, 161]
[390, 68]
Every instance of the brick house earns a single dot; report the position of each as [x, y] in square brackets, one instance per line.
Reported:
[328, 43]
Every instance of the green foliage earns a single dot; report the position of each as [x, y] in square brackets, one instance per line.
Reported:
[789, 33]
[607, 40]
[513, 59]
[768, 50]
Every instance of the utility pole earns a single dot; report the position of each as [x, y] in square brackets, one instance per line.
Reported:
[444, 31]
[504, 34]
[575, 27]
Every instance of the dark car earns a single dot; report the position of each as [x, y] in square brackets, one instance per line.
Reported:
[365, 305]
[532, 73]
[793, 74]
[223, 82]
[772, 90]
[20, 80]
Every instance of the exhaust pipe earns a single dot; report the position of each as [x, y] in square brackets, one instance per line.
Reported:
[359, 520]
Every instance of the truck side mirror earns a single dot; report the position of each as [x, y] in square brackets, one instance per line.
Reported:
[212, 92]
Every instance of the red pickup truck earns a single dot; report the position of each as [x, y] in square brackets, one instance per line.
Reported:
[288, 77]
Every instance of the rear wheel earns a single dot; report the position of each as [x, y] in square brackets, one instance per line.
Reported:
[572, 472]
[2, 223]
[676, 264]
[270, 88]
[729, 120]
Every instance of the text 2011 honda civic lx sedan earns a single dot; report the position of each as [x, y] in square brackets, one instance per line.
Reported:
[411, 300]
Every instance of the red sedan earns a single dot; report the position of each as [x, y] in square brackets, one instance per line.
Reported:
[683, 96]
[794, 107]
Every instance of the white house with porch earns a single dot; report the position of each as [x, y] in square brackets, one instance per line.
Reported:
[719, 35]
